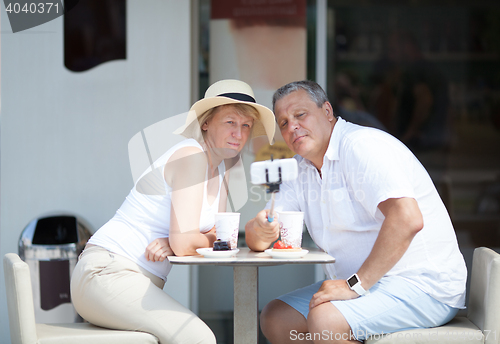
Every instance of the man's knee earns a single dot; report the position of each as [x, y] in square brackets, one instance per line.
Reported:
[270, 315]
[278, 319]
[327, 319]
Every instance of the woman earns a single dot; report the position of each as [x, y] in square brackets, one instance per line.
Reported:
[119, 278]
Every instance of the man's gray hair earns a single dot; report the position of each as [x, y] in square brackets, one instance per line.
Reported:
[315, 92]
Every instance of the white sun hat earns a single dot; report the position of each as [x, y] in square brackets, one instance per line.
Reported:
[228, 92]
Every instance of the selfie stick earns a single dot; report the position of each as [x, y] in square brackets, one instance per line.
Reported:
[272, 173]
[272, 188]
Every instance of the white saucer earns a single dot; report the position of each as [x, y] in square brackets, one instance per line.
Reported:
[209, 252]
[285, 254]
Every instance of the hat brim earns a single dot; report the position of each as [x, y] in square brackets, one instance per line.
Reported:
[264, 127]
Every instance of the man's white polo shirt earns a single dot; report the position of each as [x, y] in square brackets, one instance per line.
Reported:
[361, 168]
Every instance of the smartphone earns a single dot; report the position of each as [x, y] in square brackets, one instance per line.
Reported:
[273, 171]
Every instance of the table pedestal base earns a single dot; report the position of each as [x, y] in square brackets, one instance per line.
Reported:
[246, 309]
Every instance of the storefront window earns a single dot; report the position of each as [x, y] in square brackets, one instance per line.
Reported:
[429, 75]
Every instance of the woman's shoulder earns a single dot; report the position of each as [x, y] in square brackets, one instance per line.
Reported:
[182, 149]
[188, 161]
[191, 151]
[187, 146]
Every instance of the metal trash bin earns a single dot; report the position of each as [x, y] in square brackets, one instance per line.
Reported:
[51, 246]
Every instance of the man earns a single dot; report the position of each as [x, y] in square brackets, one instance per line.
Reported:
[369, 203]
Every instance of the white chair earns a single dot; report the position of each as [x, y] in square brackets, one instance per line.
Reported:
[482, 324]
[24, 329]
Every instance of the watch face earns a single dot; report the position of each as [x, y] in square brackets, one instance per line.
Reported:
[352, 280]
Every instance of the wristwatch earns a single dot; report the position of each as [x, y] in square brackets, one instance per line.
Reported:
[354, 284]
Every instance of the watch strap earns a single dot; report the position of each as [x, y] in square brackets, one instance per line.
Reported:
[357, 287]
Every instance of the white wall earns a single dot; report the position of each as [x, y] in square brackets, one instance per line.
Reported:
[64, 135]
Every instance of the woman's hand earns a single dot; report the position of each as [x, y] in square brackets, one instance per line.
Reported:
[211, 231]
[211, 235]
[158, 250]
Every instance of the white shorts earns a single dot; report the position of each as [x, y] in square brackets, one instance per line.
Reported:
[393, 304]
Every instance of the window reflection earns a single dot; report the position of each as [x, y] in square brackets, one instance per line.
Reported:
[94, 33]
[431, 77]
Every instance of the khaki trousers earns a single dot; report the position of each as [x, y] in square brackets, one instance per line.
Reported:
[111, 291]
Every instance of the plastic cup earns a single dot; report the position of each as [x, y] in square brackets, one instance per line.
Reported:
[227, 227]
[291, 227]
